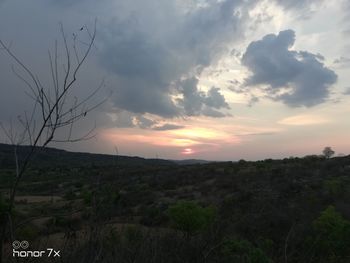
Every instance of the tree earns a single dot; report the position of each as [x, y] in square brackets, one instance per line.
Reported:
[53, 109]
[328, 152]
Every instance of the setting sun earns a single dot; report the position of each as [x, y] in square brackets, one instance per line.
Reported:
[187, 151]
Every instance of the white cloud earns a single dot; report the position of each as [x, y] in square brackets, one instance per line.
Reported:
[302, 120]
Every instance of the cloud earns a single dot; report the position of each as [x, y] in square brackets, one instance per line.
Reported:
[346, 9]
[297, 78]
[215, 99]
[347, 91]
[297, 4]
[301, 9]
[342, 62]
[167, 127]
[148, 46]
[196, 102]
[252, 100]
[124, 119]
[143, 122]
[302, 120]
[70, 3]
[151, 51]
[257, 134]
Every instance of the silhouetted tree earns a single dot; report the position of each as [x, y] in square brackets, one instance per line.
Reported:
[328, 152]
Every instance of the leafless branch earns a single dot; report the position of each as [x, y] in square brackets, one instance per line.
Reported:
[50, 102]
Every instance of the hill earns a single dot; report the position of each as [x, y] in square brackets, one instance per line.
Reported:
[56, 157]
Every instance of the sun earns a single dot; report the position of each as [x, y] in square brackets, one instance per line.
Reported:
[187, 151]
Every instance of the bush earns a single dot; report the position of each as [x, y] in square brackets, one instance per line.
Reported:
[331, 238]
[243, 251]
[190, 217]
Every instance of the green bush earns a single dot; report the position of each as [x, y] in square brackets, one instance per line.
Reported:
[243, 251]
[331, 237]
[190, 217]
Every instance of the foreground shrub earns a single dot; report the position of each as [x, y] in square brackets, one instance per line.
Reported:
[190, 217]
[243, 251]
[331, 237]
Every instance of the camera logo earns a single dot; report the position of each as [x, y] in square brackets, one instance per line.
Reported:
[20, 244]
[19, 251]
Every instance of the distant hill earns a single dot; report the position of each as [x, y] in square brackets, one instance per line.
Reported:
[192, 161]
[57, 157]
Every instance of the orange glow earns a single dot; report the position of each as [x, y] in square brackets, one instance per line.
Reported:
[199, 133]
[185, 141]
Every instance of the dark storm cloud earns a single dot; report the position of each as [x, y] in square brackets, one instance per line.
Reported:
[151, 56]
[273, 64]
[148, 49]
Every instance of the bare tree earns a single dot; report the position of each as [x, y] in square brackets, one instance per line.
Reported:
[53, 108]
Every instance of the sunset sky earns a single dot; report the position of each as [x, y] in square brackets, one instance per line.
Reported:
[201, 79]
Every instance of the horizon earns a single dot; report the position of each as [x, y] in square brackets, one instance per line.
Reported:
[189, 159]
[193, 79]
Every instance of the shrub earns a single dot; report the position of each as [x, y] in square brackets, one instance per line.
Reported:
[190, 217]
[243, 251]
[331, 238]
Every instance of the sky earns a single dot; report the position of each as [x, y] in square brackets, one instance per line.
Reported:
[192, 79]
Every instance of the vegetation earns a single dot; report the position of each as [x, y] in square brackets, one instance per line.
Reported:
[331, 237]
[191, 218]
[293, 210]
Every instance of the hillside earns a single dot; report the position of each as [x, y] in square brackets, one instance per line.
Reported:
[57, 157]
[250, 212]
